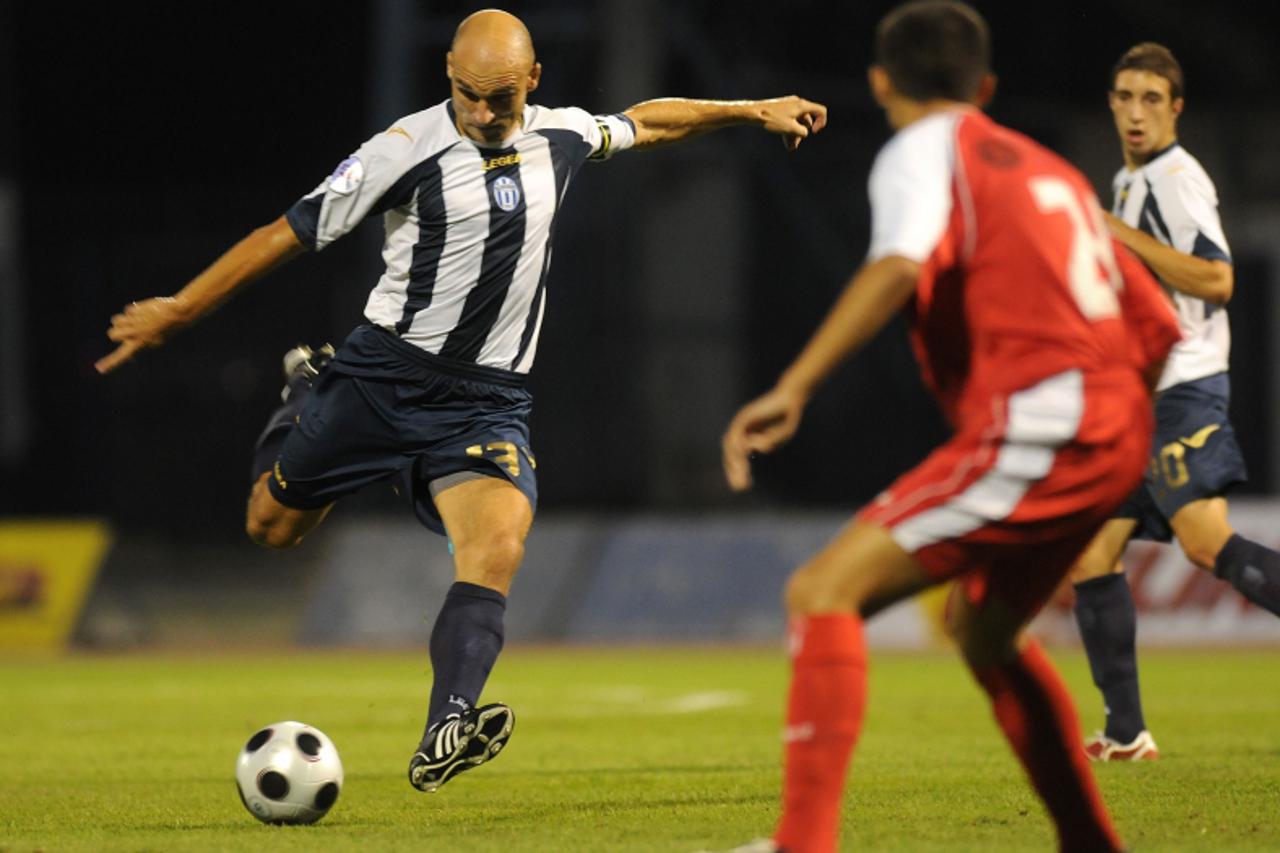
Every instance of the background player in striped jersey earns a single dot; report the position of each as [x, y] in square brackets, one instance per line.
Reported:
[1032, 332]
[431, 389]
[1166, 210]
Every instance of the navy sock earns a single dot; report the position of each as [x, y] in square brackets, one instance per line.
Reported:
[267, 448]
[465, 642]
[1252, 569]
[1109, 628]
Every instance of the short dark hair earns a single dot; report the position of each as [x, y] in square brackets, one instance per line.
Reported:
[934, 49]
[1155, 58]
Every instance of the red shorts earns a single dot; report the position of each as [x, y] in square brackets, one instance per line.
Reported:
[1011, 500]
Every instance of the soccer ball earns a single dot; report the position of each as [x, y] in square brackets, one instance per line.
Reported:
[289, 772]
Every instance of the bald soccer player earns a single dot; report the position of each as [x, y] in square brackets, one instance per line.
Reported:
[430, 390]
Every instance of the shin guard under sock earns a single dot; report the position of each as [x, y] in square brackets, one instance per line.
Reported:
[824, 713]
[1254, 570]
[465, 643]
[1108, 626]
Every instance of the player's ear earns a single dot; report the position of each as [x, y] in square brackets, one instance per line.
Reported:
[448, 65]
[535, 75]
[986, 90]
[880, 85]
[1176, 106]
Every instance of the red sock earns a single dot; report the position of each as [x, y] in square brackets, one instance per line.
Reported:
[824, 713]
[1037, 716]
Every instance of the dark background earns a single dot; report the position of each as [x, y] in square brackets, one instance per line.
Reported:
[139, 141]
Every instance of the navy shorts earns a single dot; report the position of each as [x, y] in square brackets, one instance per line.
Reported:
[385, 409]
[1194, 455]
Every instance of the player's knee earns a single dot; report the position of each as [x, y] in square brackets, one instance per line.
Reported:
[1202, 552]
[496, 555]
[796, 594]
[270, 537]
[811, 590]
[1093, 563]
[273, 536]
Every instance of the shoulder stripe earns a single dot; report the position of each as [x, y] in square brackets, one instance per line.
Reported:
[1151, 220]
[427, 251]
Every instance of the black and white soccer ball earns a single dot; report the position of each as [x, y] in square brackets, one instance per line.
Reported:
[289, 772]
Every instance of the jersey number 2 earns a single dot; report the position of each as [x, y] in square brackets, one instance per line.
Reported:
[1091, 270]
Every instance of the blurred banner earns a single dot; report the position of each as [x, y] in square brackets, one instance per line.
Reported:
[711, 579]
[47, 568]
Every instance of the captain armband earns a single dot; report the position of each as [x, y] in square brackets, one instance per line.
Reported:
[617, 133]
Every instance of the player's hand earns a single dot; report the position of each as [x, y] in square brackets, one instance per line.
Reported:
[793, 118]
[759, 427]
[141, 325]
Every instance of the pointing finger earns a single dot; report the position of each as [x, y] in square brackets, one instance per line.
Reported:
[122, 353]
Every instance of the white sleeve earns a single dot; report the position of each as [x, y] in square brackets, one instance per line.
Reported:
[359, 186]
[1187, 200]
[604, 135]
[910, 190]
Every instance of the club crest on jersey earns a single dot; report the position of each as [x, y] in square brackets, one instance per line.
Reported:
[347, 176]
[506, 193]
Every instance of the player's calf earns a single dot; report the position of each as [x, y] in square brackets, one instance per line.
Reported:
[1252, 569]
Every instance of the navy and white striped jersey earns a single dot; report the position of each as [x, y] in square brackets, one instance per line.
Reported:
[1172, 198]
[468, 226]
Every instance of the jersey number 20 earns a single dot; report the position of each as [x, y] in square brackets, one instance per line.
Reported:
[1091, 270]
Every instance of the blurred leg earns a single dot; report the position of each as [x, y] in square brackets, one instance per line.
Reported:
[1033, 709]
[861, 571]
[1108, 625]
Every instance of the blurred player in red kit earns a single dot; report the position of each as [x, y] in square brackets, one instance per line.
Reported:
[1040, 337]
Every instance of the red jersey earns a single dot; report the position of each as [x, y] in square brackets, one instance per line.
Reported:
[1020, 279]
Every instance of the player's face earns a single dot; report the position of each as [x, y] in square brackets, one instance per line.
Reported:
[1145, 113]
[489, 101]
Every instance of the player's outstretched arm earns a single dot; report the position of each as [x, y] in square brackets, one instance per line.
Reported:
[151, 322]
[1210, 280]
[667, 120]
[875, 294]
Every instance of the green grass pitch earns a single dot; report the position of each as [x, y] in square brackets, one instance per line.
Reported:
[619, 749]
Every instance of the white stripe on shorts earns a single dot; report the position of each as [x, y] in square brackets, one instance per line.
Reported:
[1041, 419]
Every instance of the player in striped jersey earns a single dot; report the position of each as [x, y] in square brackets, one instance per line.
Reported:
[431, 388]
[1166, 211]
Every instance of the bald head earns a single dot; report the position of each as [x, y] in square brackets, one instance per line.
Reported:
[492, 70]
[494, 36]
